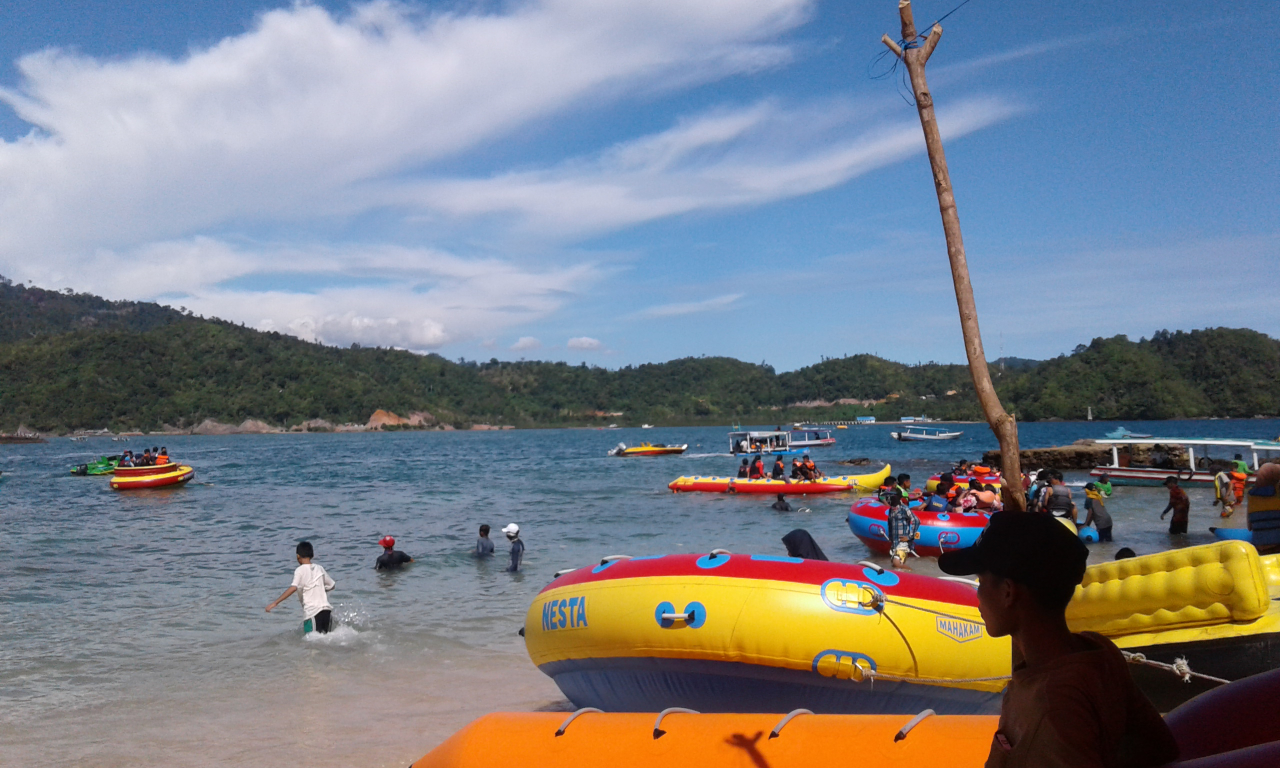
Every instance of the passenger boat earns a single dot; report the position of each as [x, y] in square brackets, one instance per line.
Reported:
[838, 484]
[924, 433]
[773, 442]
[939, 531]
[648, 449]
[1198, 469]
[804, 437]
[176, 475]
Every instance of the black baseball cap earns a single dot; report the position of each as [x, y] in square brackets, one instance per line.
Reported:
[1030, 548]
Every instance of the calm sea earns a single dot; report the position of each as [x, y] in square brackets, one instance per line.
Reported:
[132, 629]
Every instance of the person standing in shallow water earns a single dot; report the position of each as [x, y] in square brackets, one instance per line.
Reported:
[484, 545]
[517, 547]
[1179, 504]
[313, 585]
[390, 559]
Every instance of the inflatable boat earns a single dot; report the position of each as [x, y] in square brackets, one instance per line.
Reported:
[839, 484]
[149, 469]
[733, 632]
[103, 465]
[939, 531]
[173, 476]
[1209, 730]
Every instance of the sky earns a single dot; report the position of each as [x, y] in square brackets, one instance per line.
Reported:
[618, 182]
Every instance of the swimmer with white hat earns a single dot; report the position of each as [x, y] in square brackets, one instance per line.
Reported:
[517, 546]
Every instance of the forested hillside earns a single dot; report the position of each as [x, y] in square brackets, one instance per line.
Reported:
[73, 361]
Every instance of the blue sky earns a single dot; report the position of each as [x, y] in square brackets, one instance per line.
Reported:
[622, 182]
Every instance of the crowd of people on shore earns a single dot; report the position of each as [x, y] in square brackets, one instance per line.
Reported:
[312, 583]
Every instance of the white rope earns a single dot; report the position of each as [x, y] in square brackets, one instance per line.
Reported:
[1179, 667]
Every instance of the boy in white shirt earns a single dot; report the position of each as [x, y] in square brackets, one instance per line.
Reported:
[312, 583]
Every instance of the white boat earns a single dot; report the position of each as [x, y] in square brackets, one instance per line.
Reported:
[924, 433]
[646, 426]
[768, 441]
[811, 437]
[1195, 470]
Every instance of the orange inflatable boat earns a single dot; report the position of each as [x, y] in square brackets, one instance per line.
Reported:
[1209, 729]
[173, 475]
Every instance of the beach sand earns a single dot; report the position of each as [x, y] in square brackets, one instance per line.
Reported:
[362, 712]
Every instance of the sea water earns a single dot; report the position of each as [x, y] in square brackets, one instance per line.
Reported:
[132, 629]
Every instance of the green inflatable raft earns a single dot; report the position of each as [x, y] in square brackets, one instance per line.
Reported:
[103, 465]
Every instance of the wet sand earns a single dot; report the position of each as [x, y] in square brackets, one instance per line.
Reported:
[357, 714]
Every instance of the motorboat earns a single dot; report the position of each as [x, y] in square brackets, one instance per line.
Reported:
[924, 433]
[1122, 432]
[1198, 468]
[648, 449]
[775, 442]
[646, 426]
[805, 437]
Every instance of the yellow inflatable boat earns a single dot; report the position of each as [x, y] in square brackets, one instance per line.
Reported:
[730, 632]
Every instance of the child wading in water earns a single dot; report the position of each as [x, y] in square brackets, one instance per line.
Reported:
[1071, 702]
[312, 583]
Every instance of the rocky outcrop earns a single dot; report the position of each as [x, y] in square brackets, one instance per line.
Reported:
[246, 427]
[1083, 454]
[313, 425]
[212, 427]
[485, 427]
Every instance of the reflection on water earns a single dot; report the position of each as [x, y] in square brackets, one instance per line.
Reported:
[133, 623]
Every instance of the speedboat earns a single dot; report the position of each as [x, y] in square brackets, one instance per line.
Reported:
[103, 465]
[924, 433]
[1121, 432]
[648, 449]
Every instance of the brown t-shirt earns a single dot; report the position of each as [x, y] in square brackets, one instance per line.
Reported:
[1079, 711]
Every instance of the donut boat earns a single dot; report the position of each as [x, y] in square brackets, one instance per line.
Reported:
[734, 632]
[939, 531]
[1209, 731]
[175, 475]
[839, 484]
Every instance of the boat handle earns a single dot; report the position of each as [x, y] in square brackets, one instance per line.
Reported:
[960, 580]
[721, 552]
[873, 566]
[657, 730]
[562, 572]
[611, 558]
[777, 729]
[676, 616]
[912, 723]
[574, 716]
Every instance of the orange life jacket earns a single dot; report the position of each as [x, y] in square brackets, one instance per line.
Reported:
[1237, 483]
[975, 471]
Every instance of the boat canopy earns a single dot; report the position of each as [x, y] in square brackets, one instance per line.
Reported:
[1251, 447]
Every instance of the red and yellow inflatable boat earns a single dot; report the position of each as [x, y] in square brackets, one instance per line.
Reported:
[733, 632]
[164, 476]
[838, 484]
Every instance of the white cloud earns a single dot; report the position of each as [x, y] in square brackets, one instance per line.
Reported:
[715, 304]
[525, 343]
[585, 343]
[307, 118]
[722, 159]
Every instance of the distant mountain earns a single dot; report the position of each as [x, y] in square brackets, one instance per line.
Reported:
[75, 361]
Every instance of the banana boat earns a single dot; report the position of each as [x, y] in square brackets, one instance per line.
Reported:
[838, 484]
[1209, 730]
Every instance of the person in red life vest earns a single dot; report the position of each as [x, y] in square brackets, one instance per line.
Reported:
[1071, 701]
[811, 470]
[757, 469]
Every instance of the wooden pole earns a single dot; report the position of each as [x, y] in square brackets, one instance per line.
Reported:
[914, 55]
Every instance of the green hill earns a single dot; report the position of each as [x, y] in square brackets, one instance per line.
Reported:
[74, 361]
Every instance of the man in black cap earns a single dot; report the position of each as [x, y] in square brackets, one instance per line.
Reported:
[1071, 701]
